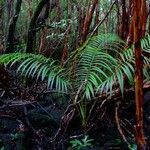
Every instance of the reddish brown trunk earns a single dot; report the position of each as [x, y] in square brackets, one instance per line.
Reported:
[88, 20]
[139, 97]
[138, 27]
[125, 21]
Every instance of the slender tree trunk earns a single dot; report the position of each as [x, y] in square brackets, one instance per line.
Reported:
[118, 17]
[139, 25]
[81, 17]
[97, 17]
[88, 20]
[33, 24]
[66, 39]
[10, 10]
[125, 21]
[42, 45]
[12, 26]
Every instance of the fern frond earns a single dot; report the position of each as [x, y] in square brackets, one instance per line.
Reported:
[108, 42]
[32, 65]
[104, 63]
[93, 67]
[95, 63]
[100, 65]
[123, 68]
[145, 44]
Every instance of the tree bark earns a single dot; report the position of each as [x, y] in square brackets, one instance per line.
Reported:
[10, 10]
[139, 26]
[12, 26]
[33, 24]
[81, 17]
[97, 16]
[42, 45]
[124, 21]
[88, 20]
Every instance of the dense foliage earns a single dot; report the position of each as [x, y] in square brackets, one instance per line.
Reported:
[67, 72]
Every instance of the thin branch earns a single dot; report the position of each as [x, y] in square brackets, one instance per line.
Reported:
[101, 22]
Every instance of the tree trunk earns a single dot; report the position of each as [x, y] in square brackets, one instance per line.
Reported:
[10, 10]
[66, 38]
[138, 26]
[88, 20]
[125, 21]
[97, 17]
[42, 45]
[33, 24]
[59, 10]
[81, 17]
[12, 26]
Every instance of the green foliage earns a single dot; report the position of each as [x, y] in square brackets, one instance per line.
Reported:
[14, 136]
[79, 144]
[2, 148]
[99, 66]
[1, 145]
[133, 146]
[145, 43]
[102, 64]
[32, 65]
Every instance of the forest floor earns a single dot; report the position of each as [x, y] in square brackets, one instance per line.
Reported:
[32, 118]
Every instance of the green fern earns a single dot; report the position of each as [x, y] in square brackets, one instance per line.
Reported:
[33, 65]
[94, 66]
[99, 66]
[145, 43]
[123, 68]
[103, 64]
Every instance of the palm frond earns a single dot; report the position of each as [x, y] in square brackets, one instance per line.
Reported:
[104, 63]
[100, 65]
[33, 65]
[95, 64]
[123, 68]
[145, 44]
[108, 41]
